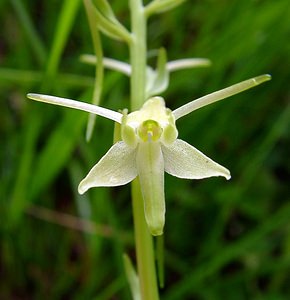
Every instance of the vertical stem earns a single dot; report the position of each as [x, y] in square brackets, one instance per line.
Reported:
[144, 241]
[144, 247]
[138, 53]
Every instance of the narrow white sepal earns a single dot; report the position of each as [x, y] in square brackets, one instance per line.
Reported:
[184, 161]
[150, 167]
[116, 167]
[125, 68]
[100, 111]
[219, 95]
[187, 63]
[109, 63]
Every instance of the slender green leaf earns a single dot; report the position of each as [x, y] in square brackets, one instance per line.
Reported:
[111, 27]
[99, 74]
[63, 28]
[57, 151]
[29, 76]
[19, 199]
[105, 9]
[35, 40]
[229, 253]
[132, 278]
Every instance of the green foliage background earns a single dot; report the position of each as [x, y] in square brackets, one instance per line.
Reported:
[224, 240]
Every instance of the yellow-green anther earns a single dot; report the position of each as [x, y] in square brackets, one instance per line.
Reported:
[149, 131]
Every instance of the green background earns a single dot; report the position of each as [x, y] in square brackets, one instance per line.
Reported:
[223, 239]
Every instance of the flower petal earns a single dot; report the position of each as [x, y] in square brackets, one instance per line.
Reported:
[186, 63]
[160, 76]
[219, 95]
[150, 167]
[116, 167]
[94, 109]
[109, 63]
[184, 161]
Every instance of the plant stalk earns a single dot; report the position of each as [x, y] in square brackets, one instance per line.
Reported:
[144, 247]
[143, 239]
[138, 53]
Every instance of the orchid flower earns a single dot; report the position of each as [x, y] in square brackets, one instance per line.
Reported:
[149, 147]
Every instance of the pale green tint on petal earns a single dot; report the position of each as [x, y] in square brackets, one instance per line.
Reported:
[160, 6]
[219, 95]
[150, 167]
[117, 167]
[184, 161]
[159, 79]
[170, 132]
[94, 109]
[128, 133]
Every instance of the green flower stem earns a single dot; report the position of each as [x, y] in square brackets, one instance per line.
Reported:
[143, 239]
[144, 247]
[138, 53]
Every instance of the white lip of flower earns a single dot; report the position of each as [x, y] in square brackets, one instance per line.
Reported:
[149, 146]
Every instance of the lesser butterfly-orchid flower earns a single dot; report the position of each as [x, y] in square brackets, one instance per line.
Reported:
[149, 147]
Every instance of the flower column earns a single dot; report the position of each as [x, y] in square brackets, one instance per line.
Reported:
[143, 239]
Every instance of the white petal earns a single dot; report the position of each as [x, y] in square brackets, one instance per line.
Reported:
[184, 161]
[109, 63]
[116, 167]
[187, 63]
[104, 112]
[150, 166]
[219, 95]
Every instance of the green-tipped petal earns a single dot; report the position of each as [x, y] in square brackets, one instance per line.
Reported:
[150, 167]
[117, 167]
[184, 161]
[219, 95]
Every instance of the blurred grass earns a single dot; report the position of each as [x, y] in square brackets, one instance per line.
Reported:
[224, 240]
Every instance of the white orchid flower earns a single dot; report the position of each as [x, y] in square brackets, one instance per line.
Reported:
[150, 147]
